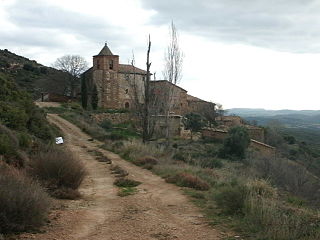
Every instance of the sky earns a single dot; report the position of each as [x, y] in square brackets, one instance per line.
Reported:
[239, 53]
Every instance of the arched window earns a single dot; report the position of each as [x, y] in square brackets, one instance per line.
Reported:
[126, 105]
[127, 91]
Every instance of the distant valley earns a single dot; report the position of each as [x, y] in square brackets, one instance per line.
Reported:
[304, 125]
[287, 118]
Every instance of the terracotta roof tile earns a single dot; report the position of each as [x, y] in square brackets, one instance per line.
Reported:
[127, 68]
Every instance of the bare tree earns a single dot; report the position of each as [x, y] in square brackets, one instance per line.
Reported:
[173, 58]
[172, 73]
[143, 99]
[208, 111]
[75, 65]
[220, 110]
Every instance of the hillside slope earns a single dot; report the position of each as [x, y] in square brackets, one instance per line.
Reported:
[32, 76]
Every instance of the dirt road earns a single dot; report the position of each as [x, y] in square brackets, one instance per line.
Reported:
[157, 211]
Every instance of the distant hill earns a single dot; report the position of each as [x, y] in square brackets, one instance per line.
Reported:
[303, 125]
[30, 75]
[263, 112]
[288, 118]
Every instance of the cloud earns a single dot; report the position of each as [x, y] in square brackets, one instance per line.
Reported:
[284, 25]
[37, 23]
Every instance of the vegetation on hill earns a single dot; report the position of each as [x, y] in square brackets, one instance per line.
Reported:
[32, 76]
[26, 150]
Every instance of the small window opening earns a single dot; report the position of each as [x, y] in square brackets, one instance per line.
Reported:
[127, 91]
[126, 105]
[111, 64]
[98, 64]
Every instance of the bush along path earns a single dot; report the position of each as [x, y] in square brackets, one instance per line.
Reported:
[156, 209]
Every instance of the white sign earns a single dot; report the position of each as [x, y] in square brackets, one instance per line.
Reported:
[59, 140]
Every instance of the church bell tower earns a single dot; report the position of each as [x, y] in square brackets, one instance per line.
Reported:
[105, 77]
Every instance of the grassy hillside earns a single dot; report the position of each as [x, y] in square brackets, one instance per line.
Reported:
[30, 75]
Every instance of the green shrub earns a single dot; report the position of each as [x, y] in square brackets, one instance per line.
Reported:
[29, 67]
[13, 116]
[236, 144]
[181, 156]
[106, 124]
[58, 169]
[117, 136]
[231, 198]
[126, 191]
[6, 146]
[126, 182]
[23, 203]
[211, 163]
[24, 140]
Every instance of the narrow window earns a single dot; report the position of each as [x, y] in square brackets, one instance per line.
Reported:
[127, 90]
[126, 105]
[98, 64]
[111, 64]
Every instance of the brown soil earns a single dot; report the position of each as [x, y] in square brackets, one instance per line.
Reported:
[157, 211]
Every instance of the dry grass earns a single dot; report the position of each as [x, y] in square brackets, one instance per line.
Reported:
[188, 180]
[146, 162]
[23, 203]
[135, 149]
[118, 171]
[235, 189]
[59, 171]
[274, 220]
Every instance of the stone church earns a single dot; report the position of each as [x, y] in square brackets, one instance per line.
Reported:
[119, 84]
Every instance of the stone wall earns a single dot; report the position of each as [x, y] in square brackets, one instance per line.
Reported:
[230, 121]
[115, 118]
[214, 134]
[165, 92]
[263, 149]
[175, 123]
[130, 87]
[256, 133]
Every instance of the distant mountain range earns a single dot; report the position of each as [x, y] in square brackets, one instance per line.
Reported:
[289, 118]
[263, 112]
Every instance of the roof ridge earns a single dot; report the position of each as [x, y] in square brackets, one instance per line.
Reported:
[105, 51]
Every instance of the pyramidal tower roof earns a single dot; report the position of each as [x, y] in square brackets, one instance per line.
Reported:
[105, 51]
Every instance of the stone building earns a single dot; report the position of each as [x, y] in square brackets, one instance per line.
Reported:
[170, 96]
[118, 85]
[115, 82]
[226, 122]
